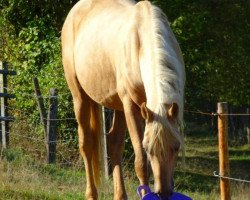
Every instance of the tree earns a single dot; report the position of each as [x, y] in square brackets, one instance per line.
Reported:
[214, 37]
[30, 42]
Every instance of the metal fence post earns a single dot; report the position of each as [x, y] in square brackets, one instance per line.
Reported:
[5, 119]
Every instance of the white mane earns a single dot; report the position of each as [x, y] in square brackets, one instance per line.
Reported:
[167, 68]
[170, 74]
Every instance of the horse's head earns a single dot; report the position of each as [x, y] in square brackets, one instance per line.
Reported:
[162, 141]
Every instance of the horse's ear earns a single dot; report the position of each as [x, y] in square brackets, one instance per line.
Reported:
[146, 113]
[173, 111]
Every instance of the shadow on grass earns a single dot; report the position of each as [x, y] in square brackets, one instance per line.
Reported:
[199, 164]
[240, 169]
[245, 153]
[195, 182]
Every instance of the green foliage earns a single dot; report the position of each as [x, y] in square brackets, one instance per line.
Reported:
[30, 42]
[19, 12]
[213, 36]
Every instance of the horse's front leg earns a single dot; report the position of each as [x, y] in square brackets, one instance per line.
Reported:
[135, 127]
[115, 141]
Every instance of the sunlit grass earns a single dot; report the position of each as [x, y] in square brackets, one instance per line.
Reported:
[24, 177]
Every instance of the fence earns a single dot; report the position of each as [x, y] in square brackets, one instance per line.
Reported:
[5, 119]
[223, 150]
[49, 123]
[52, 120]
[224, 174]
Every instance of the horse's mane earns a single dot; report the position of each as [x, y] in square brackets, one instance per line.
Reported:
[169, 80]
[170, 75]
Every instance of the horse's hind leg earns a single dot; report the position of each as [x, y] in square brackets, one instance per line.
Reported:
[115, 141]
[82, 108]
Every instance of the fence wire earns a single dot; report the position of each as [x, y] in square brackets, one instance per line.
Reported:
[216, 114]
[230, 178]
[64, 158]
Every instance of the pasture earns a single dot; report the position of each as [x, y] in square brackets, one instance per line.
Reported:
[216, 59]
[24, 176]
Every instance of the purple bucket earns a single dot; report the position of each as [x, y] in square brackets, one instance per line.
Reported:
[178, 196]
[152, 196]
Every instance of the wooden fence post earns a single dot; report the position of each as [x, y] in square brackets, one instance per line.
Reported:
[222, 110]
[52, 126]
[49, 122]
[42, 109]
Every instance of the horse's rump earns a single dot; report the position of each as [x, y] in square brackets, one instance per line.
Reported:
[107, 48]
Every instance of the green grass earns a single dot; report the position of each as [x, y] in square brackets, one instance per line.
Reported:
[196, 177]
[23, 177]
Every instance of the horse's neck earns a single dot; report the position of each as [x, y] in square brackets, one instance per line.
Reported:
[147, 59]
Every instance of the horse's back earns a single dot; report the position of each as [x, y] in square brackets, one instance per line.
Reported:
[92, 39]
[102, 46]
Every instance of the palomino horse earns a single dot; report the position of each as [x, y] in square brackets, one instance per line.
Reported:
[123, 55]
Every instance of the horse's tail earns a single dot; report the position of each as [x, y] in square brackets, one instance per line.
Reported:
[96, 129]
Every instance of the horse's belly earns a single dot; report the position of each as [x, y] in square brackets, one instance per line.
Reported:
[99, 59]
[100, 84]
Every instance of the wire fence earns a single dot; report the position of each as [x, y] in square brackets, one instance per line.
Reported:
[27, 129]
[213, 114]
[217, 114]
[67, 145]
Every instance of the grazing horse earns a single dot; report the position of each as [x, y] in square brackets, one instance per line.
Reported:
[124, 56]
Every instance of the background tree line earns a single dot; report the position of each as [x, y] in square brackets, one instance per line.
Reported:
[213, 35]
